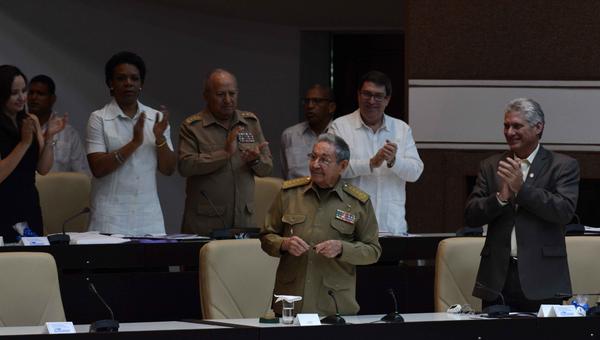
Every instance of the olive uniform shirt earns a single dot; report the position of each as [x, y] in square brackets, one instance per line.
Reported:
[219, 190]
[344, 213]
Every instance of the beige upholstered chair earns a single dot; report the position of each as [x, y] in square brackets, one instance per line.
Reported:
[30, 290]
[265, 190]
[236, 279]
[456, 265]
[583, 253]
[62, 195]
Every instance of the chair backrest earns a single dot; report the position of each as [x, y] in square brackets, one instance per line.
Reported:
[30, 289]
[62, 195]
[583, 253]
[236, 279]
[456, 265]
[265, 190]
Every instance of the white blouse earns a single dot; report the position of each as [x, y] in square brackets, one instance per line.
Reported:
[126, 200]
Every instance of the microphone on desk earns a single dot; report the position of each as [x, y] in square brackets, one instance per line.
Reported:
[217, 234]
[107, 325]
[334, 319]
[494, 311]
[228, 232]
[393, 317]
[64, 238]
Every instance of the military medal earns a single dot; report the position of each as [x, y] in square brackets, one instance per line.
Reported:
[345, 216]
[246, 140]
[245, 136]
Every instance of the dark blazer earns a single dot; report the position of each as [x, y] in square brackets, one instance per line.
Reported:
[544, 205]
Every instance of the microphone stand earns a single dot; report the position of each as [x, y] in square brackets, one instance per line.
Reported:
[334, 319]
[107, 325]
[226, 233]
[393, 317]
[64, 238]
[218, 234]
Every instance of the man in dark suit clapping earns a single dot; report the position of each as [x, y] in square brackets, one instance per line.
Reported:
[525, 196]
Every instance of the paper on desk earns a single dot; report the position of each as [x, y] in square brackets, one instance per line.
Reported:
[94, 237]
[389, 234]
[589, 229]
[288, 298]
[179, 237]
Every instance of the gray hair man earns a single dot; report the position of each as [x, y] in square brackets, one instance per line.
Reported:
[526, 196]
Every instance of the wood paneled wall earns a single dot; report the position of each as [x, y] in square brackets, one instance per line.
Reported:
[435, 203]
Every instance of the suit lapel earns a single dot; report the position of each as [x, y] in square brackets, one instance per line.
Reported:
[539, 163]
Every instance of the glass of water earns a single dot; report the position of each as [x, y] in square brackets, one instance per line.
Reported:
[287, 313]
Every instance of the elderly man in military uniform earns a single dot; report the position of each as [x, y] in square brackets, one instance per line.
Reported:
[221, 149]
[321, 228]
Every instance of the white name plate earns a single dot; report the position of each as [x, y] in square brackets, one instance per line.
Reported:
[35, 241]
[308, 319]
[558, 311]
[60, 327]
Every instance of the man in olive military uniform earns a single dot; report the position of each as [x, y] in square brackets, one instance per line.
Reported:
[221, 149]
[321, 228]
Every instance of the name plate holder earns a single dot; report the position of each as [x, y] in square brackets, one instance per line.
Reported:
[308, 319]
[35, 241]
[558, 311]
[60, 327]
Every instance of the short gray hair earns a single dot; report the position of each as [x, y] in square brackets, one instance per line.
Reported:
[530, 109]
[342, 151]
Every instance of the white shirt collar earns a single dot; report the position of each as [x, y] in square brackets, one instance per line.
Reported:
[116, 111]
[532, 155]
[360, 123]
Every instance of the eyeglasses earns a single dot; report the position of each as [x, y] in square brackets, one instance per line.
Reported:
[322, 160]
[316, 101]
[378, 97]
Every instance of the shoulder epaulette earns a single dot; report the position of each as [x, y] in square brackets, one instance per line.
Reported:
[356, 192]
[193, 118]
[247, 114]
[296, 182]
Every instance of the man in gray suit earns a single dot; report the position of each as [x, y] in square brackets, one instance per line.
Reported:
[525, 196]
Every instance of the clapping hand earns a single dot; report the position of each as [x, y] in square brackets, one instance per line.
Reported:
[385, 153]
[27, 130]
[231, 143]
[138, 129]
[510, 173]
[55, 125]
[161, 125]
[251, 154]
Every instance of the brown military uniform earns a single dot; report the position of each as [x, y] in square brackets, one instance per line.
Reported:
[227, 182]
[344, 213]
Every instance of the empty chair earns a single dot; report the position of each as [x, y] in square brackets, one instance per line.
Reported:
[583, 253]
[236, 279]
[62, 195]
[30, 289]
[456, 265]
[265, 190]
